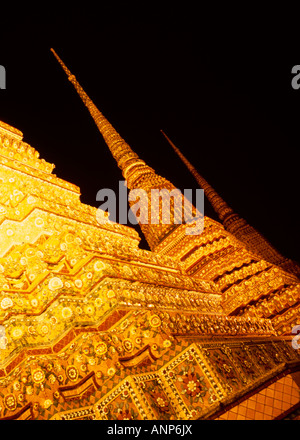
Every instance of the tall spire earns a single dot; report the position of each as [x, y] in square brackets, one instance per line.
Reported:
[233, 223]
[135, 171]
[120, 150]
[218, 204]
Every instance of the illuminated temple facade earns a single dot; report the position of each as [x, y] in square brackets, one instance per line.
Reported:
[93, 327]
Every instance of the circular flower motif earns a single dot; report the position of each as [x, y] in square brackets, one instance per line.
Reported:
[127, 270]
[23, 261]
[101, 348]
[125, 394]
[98, 302]
[192, 385]
[128, 345]
[105, 410]
[30, 252]
[78, 283]
[53, 320]
[34, 302]
[99, 374]
[31, 330]
[155, 321]
[10, 402]
[111, 371]
[89, 310]
[47, 403]
[38, 376]
[55, 283]
[111, 294]
[29, 390]
[66, 312]
[72, 373]
[6, 303]
[87, 349]
[17, 386]
[99, 266]
[213, 398]
[17, 333]
[39, 222]
[44, 330]
[161, 403]
[167, 343]
[69, 238]
[147, 334]
[30, 200]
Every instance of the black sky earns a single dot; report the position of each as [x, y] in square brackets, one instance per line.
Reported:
[218, 84]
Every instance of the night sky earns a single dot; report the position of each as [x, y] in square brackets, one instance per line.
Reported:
[219, 85]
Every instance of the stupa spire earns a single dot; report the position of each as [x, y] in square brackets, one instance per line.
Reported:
[236, 225]
[135, 171]
[218, 204]
[120, 150]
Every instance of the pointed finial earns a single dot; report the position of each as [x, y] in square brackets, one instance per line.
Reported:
[218, 204]
[61, 62]
[84, 97]
[136, 172]
[120, 150]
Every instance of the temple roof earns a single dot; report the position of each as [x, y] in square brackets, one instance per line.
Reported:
[11, 131]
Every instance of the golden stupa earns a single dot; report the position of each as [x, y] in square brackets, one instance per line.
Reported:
[93, 327]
